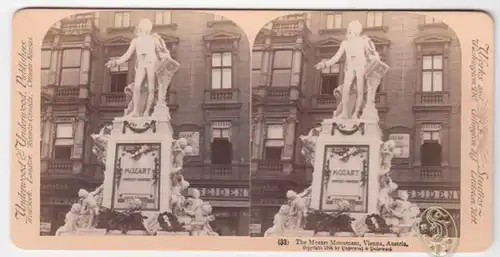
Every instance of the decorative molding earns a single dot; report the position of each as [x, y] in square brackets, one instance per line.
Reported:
[344, 131]
[133, 127]
[221, 35]
[118, 41]
[432, 39]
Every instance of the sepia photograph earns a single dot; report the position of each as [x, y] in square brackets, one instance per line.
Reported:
[145, 125]
[257, 130]
[355, 125]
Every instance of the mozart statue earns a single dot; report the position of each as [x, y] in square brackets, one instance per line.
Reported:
[151, 54]
[360, 53]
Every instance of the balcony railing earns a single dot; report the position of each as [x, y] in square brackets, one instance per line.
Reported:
[329, 102]
[324, 102]
[216, 172]
[427, 174]
[432, 98]
[221, 97]
[63, 166]
[77, 26]
[114, 99]
[68, 93]
[290, 25]
[274, 169]
[283, 94]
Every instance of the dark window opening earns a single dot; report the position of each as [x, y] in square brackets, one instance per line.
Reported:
[62, 152]
[430, 152]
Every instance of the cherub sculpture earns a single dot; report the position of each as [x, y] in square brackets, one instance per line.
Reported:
[403, 210]
[279, 222]
[194, 201]
[387, 186]
[200, 224]
[180, 148]
[101, 143]
[90, 205]
[71, 220]
[177, 200]
[150, 49]
[299, 204]
[356, 48]
[309, 144]
[386, 154]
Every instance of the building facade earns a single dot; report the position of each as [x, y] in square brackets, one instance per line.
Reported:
[418, 102]
[209, 101]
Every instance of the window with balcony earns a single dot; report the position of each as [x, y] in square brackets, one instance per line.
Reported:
[275, 142]
[256, 67]
[163, 18]
[221, 70]
[330, 79]
[374, 19]
[431, 150]
[432, 73]
[221, 146]
[118, 77]
[282, 68]
[333, 21]
[70, 67]
[63, 144]
[45, 67]
[122, 20]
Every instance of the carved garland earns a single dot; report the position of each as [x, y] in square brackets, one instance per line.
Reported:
[342, 129]
[133, 127]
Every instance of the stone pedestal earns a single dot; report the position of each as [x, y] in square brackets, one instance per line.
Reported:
[380, 235]
[90, 232]
[166, 233]
[137, 233]
[138, 163]
[346, 167]
[298, 233]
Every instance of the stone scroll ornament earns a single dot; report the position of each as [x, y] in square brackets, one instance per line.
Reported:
[438, 231]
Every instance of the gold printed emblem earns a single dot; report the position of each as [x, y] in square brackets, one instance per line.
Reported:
[438, 231]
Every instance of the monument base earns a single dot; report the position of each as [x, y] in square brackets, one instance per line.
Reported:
[167, 233]
[91, 232]
[298, 233]
[380, 235]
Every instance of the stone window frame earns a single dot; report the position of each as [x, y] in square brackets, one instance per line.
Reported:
[444, 138]
[222, 41]
[62, 67]
[272, 68]
[63, 120]
[432, 44]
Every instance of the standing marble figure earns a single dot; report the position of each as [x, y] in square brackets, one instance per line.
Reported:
[150, 49]
[356, 48]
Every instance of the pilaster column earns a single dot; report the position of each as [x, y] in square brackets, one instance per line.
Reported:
[266, 59]
[445, 144]
[85, 67]
[54, 62]
[257, 134]
[46, 135]
[290, 124]
[297, 62]
[79, 134]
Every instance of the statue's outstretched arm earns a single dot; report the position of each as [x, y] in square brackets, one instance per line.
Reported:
[338, 55]
[125, 57]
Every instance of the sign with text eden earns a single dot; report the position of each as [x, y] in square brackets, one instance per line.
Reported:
[137, 175]
[345, 178]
